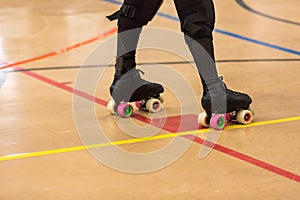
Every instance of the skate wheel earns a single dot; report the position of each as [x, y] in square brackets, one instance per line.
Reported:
[228, 117]
[111, 107]
[125, 110]
[244, 116]
[141, 105]
[153, 105]
[138, 104]
[203, 119]
[253, 113]
[218, 122]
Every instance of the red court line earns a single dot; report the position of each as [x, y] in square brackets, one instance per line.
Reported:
[62, 86]
[175, 121]
[60, 51]
[246, 158]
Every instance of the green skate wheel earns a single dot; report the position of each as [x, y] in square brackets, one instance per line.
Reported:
[218, 121]
[125, 110]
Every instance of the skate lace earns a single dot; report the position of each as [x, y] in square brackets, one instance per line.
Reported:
[143, 81]
[140, 71]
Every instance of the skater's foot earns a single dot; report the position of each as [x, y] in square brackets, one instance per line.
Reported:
[223, 100]
[131, 87]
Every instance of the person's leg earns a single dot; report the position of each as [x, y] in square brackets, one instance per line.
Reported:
[132, 16]
[197, 19]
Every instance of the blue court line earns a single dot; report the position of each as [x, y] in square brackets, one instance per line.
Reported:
[284, 49]
[258, 42]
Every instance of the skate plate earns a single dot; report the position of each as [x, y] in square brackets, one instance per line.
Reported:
[218, 121]
[125, 109]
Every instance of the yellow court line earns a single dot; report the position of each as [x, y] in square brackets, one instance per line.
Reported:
[137, 140]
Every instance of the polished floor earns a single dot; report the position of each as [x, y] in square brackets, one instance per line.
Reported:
[58, 141]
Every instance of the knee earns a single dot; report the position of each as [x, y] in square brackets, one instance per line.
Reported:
[197, 21]
[196, 27]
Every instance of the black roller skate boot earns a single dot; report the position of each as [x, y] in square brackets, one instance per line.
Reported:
[128, 86]
[221, 104]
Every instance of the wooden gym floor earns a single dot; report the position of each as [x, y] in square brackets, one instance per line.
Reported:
[42, 145]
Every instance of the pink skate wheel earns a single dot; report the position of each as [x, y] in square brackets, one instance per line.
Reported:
[138, 104]
[125, 110]
[228, 117]
[218, 121]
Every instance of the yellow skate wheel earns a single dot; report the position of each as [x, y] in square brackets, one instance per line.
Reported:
[203, 119]
[244, 116]
[153, 105]
[111, 107]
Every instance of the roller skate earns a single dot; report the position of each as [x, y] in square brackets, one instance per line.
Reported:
[132, 88]
[233, 107]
